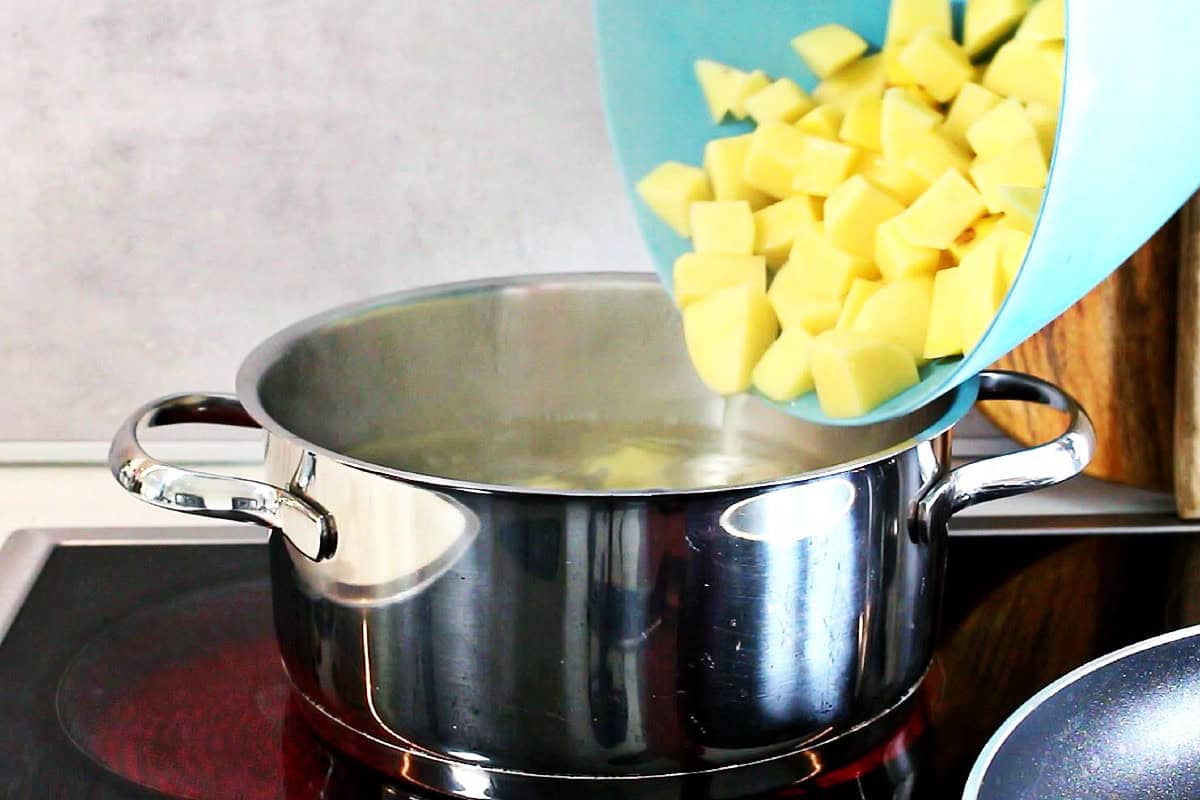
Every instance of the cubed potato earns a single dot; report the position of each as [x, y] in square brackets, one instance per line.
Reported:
[983, 289]
[944, 338]
[784, 373]
[776, 226]
[725, 163]
[973, 102]
[860, 290]
[722, 226]
[1000, 128]
[899, 313]
[860, 126]
[863, 77]
[824, 165]
[937, 217]
[727, 332]
[718, 82]
[897, 258]
[903, 118]
[781, 101]
[852, 213]
[631, 466]
[853, 373]
[930, 154]
[698, 275]
[819, 268]
[744, 86]
[938, 63]
[828, 48]
[797, 308]
[894, 72]
[1027, 70]
[1020, 206]
[892, 178]
[988, 21]
[1021, 165]
[823, 121]
[670, 189]
[972, 236]
[1045, 122]
[1045, 22]
[1012, 251]
[776, 152]
[907, 18]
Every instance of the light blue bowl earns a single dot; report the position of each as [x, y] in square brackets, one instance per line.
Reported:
[1128, 151]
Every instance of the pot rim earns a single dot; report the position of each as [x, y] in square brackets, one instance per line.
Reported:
[268, 352]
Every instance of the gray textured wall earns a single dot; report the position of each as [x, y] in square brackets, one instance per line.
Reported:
[180, 179]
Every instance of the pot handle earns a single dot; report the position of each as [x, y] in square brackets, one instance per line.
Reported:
[1014, 473]
[307, 527]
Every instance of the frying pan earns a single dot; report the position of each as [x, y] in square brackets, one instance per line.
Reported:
[1126, 725]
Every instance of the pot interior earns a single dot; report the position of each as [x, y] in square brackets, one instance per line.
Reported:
[563, 382]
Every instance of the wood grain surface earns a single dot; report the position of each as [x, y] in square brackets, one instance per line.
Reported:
[1187, 391]
[1114, 351]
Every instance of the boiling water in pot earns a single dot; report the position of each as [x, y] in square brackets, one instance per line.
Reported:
[557, 454]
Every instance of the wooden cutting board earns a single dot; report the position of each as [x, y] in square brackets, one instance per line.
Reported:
[1115, 351]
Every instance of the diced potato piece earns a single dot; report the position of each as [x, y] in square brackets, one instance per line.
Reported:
[903, 118]
[631, 466]
[972, 236]
[944, 337]
[860, 126]
[725, 227]
[798, 309]
[973, 102]
[931, 154]
[852, 213]
[726, 333]
[670, 189]
[937, 217]
[819, 268]
[893, 71]
[699, 274]
[938, 63]
[781, 101]
[725, 162]
[897, 258]
[860, 290]
[863, 77]
[1021, 165]
[823, 121]
[1020, 206]
[744, 86]
[784, 373]
[824, 166]
[899, 313]
[988, 21]
[829, 48]
[1000, 128]
[907, 18]
[892, 178]
[717, 82]
[776, 152]
[1012, 251]
[1045, 22]
[983, 289]
[776, 226]
[853, 373]
[1028, 71]
[1045, 122]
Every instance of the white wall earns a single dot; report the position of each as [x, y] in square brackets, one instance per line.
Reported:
[180, 179]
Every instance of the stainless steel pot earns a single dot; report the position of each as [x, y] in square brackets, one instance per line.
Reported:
[490, 640]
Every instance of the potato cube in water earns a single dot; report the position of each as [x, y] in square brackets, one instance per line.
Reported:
[726, 333]
[670, 189]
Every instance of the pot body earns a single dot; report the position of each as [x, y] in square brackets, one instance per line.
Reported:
[715, 640]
